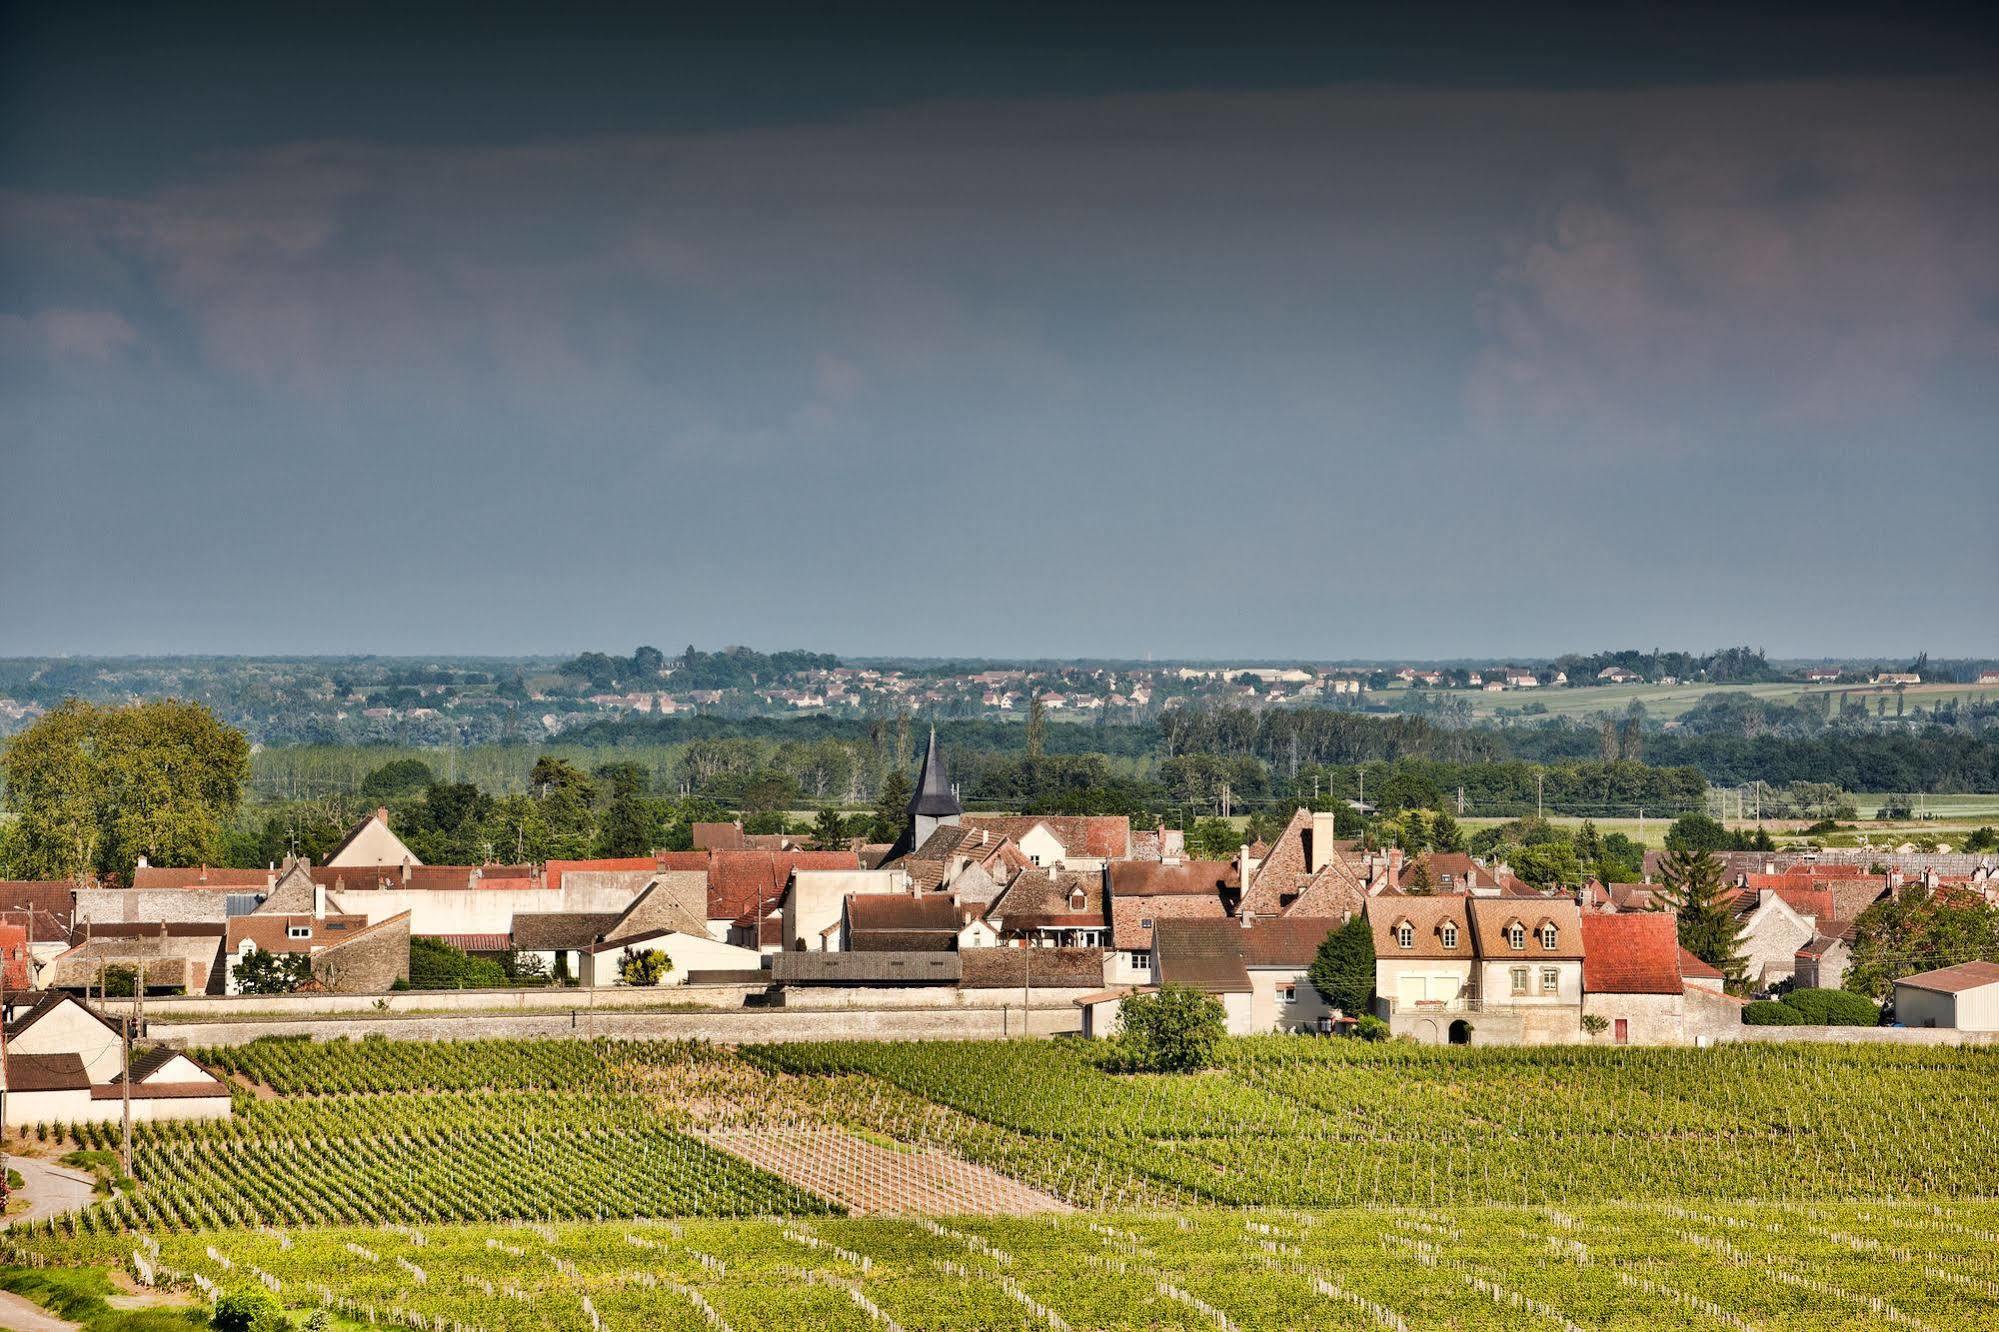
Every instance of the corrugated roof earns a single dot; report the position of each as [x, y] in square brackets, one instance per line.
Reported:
[1954, 980]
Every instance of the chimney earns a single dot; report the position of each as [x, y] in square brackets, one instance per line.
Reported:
[1322, 840]
[142, 862]
[382, 814]
[318, 900]
[406, 871]
[1394, 867]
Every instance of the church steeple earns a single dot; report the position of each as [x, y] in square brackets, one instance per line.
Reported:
[934, 804]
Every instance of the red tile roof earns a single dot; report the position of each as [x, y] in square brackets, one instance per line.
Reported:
[751, 882]
[199, 876]
[44, 906]
[1155, 878]
[1692, 968]
[1632, 953]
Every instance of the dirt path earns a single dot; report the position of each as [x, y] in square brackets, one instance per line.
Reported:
[50, 1189]
[20, 1314]
[869, 1179]
[257, 1089]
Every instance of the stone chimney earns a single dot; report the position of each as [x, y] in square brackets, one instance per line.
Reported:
[318, 900]
[406, 871]
[1394, 867]
[1322, 841]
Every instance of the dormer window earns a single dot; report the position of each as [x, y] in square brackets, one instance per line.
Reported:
[1405, 935]
[298, 931]
[1516, 936]
[1449, 934]
[1548, 935]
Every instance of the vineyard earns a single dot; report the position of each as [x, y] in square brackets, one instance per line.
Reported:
[1646, 1267]
[500, 1185]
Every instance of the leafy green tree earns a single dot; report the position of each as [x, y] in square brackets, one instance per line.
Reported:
[1697, 833]
[262, 972]
[1213, 839]
[1982, 839]
[645, 967]
[95, 788]
[1343, 969]
[630, 826]
[1546, 864]
[1693, 891]
[553, 776]
[1173, 1031]
[436, 965]
[401, 777]
[625, 779]
[1920, 930]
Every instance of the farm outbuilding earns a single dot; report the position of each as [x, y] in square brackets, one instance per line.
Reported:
[1965, 996]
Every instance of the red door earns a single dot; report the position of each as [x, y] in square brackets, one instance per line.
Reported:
[1624, 1031]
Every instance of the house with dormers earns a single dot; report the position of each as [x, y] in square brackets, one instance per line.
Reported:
[1462, 970]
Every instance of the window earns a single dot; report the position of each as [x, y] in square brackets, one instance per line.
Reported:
[1450, 935]
[1548, 936]
[1519, 980]
[1141, 961]
[1516, 935]
[298, 931]
[1405, 935]
[1623, 1035]
[1288, 993]
[1551, 980]
[1145, 922]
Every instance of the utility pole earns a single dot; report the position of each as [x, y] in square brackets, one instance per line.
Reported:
[1537, 795]
[125, 1031]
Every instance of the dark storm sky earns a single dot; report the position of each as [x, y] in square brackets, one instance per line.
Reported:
[1478, 330]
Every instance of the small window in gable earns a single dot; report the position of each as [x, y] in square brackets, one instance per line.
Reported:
[1516, 935]
[1548, 936]
[1450, 934]
[1405, 935]
[1145, 923]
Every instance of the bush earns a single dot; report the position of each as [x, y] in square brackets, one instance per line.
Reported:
[244, 1311]
[647, 966]
[1371, 1028]
[1770, 1013]
[436, 965]
[1834, 1008]
[1173, 1031]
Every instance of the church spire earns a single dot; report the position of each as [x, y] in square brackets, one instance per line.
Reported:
[934, 797]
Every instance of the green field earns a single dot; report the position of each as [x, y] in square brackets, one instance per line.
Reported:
[1300, 1183]
[1666, 702]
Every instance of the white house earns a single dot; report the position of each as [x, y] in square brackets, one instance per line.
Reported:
[1256, 967]
[66, 1064]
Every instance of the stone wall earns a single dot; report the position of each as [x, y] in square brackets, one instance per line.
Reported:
[742, 1026]
[1865, 1035]
[369, 963]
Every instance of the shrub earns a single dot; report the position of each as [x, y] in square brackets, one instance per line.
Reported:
[1834, 1008]
[436, 965]
[1371, 1028]
[1770, 1013]
[1343, 970]
[648, 966]
[244, 1311]
[1173, 1031]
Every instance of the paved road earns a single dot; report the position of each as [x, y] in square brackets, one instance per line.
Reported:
[50, 1189]
[19, 1314]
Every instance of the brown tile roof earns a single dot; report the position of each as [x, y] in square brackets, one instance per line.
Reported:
[271, 933]
[474, 943]
[1206, 954]
[45, 907]
[1052, 894]
[1154, 878]
[1634, 953]
[1954, 980]
[674, 900]
[1096, 836]
[561, 931]
[718, 837]
[1133, 918]
[46, 1072]
[896, 911]
[553, 871]
[1053, 968]
[200, 876]
[1427, 917]
[1490, 917]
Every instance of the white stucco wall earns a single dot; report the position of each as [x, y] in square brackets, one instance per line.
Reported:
[70, 1030]
[374, 845]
